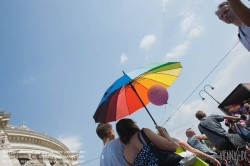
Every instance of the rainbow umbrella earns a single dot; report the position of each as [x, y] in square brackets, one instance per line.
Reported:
[129, 93]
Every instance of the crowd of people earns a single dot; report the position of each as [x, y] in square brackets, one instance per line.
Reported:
[132, 149]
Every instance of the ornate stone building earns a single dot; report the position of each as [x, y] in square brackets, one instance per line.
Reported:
[20, 145]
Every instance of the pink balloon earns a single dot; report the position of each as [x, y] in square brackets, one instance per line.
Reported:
[157, 95]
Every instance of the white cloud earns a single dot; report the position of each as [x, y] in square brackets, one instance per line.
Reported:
[172, 8]
[28, 80]
[124, 58]
[72, 142]
[147, 41]
[188, 21]
[187, 114]
[192, 23]
[236, 71]
[164, 2]
[195, 32]
[224, 83]
[179, 51]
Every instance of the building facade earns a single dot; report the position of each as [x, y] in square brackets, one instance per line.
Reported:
[21, 146]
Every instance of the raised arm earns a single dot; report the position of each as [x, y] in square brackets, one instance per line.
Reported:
[160, 142]
[231, 117]
[198, 153]
[241, 10]
[201, 137]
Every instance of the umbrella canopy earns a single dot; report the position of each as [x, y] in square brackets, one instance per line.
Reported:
[129, 93]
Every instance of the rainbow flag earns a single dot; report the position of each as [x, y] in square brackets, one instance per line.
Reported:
[234, 108]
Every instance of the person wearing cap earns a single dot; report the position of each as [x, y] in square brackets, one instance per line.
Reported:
[225, 12]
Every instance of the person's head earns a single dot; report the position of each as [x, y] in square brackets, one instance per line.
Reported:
[200, 114]
[243, 116]
[104, 130]
[225, 13]
[227, 124]
[126, 128]
[247, 107]
[190, 132]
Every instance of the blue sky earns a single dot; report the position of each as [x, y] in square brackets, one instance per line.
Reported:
[58, 57]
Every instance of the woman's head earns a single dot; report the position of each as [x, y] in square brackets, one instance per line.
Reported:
[126, 128]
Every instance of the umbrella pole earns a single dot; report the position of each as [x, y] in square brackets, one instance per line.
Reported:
[142, 103]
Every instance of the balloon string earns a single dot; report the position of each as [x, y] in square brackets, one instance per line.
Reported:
[170, 105]
[165, 110]
[163, 113]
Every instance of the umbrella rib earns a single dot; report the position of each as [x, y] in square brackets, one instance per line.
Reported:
[127, 100]
[173, 67]
[142, 75]
[141, 85]
[152, 80]
[109, 104]
[140, 78]
[116, 91]
[166, 74]
[146, 72]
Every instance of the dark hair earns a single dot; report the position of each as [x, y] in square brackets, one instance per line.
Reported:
[227, 124]
[243, 116]
[126, 128]
[102, 130]
[230, 121]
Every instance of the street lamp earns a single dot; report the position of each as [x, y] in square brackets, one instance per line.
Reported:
[208, 93]
[201, 96]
